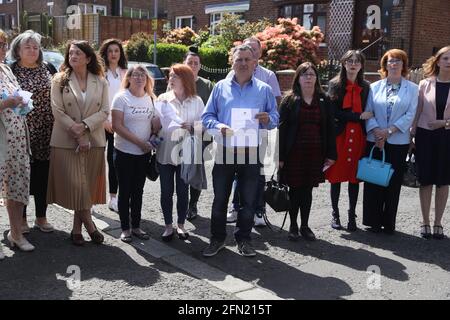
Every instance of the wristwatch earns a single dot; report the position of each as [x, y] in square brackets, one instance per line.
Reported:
[390, 132]
[86, 126]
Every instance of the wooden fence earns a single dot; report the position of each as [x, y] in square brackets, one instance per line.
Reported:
[96, 28]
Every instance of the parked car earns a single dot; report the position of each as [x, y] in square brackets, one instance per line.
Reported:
[156, 73]
[54, 57]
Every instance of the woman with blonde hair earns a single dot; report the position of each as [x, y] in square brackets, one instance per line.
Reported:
[133, 113]
[77, 163]
[431, 129]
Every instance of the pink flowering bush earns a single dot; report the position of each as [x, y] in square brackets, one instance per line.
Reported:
[185, 36]
[288, 44]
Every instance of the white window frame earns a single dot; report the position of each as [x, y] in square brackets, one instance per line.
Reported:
[213, 24]
[178, 20]
[105, 8]
[83, 8]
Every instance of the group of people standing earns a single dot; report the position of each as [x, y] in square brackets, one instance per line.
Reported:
[56, 152]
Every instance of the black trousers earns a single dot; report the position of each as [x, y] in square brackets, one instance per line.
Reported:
[38, 187]
[131, 174]
[112, 175]
[380, 204]
[194, 196]
[301, 199]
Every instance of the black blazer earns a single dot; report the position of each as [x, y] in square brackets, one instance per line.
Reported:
[288, 127]
[342, 116]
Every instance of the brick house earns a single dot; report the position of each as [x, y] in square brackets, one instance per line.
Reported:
[412, 25]
[123, 8]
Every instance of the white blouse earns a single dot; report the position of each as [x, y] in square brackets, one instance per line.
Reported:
[190, 110]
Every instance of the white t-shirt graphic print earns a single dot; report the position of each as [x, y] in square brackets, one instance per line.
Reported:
[137, 116]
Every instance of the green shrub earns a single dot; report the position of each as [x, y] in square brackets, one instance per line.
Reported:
[214, 58]
[168, 54]
[137, 47]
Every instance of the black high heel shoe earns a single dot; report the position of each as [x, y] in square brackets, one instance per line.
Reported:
[167, 238]
[182, 235]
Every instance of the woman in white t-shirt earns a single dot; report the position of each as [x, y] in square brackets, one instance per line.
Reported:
[116, 65]
[189, 107]
[132, 115]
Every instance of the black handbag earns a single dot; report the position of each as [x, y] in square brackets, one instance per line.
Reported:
[276, 195]
[151, 171]
[410, 178]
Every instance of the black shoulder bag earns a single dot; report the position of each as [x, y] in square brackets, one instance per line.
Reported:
[276, 195]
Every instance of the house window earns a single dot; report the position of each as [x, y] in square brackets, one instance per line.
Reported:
[86, 8]
[145, 14]
[126, 12]
[135, 13]
[215, 18]
[183, 21]
[101, 10]
[308, 15]
[2, 21]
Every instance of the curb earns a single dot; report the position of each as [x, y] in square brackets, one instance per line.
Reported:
[241, 289]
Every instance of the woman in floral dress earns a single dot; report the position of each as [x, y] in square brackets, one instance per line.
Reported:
[15, 170]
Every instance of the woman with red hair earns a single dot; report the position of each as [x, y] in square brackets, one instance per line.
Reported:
[189, 108]
[393, 102]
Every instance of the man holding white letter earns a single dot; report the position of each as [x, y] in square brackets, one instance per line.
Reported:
[238, 108]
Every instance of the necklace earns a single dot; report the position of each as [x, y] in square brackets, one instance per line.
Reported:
[443, 81]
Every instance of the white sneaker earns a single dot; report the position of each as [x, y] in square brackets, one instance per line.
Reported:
[112, 204]
[232, 215]
[259, 220]
[2, 255]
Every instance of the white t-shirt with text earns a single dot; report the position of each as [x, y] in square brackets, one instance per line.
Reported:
[137, 115]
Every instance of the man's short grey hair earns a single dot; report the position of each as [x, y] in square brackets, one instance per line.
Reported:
[253, 39]
[242, 47]
[22, 39]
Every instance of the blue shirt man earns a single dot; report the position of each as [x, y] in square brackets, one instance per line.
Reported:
[269, 77]
[233, 96]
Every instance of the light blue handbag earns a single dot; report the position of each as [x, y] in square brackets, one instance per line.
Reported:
[375, 171]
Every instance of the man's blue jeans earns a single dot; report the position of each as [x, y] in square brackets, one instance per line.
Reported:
[260, 203]
[223, 177]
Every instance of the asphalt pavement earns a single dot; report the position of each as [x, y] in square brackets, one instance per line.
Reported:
[339, 265]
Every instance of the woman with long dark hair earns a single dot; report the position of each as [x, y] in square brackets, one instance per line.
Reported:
[348, 92]
[77, 161]
[307, 144]
[116, 65]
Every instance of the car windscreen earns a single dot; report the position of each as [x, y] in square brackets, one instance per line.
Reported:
[155, 72]
[54, 58]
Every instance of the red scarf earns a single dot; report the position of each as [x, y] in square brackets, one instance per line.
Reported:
[352, 98]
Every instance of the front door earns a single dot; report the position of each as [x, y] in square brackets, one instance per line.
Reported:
[368, 27]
